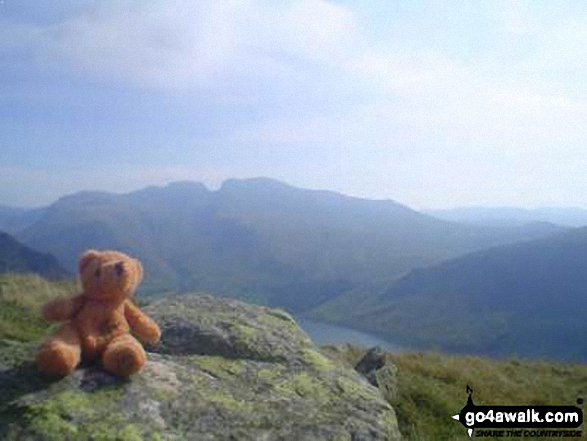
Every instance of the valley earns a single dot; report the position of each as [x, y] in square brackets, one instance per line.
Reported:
[372, 265]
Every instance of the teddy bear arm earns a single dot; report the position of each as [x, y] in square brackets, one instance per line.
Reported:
[62, 309]
[142, 325]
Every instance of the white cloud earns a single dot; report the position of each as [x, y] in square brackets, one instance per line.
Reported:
[517, 18]
[182, 44]
[166, 45]
[251, 46]
[315, 75]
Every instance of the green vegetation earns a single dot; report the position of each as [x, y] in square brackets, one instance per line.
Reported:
[431, 387]
[525, 299]
[52, 418]
[21, 297]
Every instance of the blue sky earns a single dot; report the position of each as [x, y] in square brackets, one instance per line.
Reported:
[433, 104]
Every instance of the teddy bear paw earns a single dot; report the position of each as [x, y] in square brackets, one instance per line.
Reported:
[57, 360]
[123, 361]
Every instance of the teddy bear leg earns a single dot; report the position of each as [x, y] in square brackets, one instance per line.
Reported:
[59, 355]
[124, 356]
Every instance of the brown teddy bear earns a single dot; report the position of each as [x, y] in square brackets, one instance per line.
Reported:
[99, 320]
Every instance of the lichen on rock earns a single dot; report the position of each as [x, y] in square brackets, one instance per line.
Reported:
[224, 370]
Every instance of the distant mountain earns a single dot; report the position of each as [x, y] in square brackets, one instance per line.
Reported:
[15, 219]
[526, 298]
[512, 216]
[259, 239]
[18, 258]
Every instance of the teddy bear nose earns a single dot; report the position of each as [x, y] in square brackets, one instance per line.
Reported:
[119, 268]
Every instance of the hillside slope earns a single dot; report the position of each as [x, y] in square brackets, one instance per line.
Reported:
[259, 239]
[15, 219]
[21, 299]
[527, 298]
[430, 387]
[18, 258]
[213, 391]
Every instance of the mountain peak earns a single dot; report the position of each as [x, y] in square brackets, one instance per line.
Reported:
[255, 183]
[181, 188]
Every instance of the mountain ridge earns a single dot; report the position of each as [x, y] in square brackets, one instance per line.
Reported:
[573, 217]
[525, 298]
[16, 257]
[260, 239]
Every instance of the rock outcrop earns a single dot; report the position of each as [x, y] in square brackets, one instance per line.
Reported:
[224, 370]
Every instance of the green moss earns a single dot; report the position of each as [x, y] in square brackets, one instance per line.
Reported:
[227, 401]
[247, 333]
[107, 431]
[65, 404]
[316, 360]
[13, 354]
[101, 433]
[390, 423]
[200, 380]
[269, 375]
[219, 366]
[352, 388]
[224, 400]
[161, 394]
[130, 433]
[96, 415]
[54, 427]
[207, 389]
[105, 397]
[304, 386]
[341, 437]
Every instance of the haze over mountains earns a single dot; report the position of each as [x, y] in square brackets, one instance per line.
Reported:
[259, 239]
[527, 298]
[14, 219]
[511, 216]
[18, 258]
[376, 265]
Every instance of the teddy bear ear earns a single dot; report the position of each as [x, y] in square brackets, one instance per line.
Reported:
[86, 258]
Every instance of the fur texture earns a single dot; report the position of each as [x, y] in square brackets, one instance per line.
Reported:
[99, 321]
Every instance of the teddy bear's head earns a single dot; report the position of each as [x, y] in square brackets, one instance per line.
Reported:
[109, 275]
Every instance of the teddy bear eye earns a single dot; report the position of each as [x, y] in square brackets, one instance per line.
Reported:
[119, 268]
[97, 273]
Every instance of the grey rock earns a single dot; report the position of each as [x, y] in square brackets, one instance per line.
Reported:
[224, 370]
[380, 372]
[372, 361]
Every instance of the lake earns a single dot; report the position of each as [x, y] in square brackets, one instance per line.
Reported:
[327, 334]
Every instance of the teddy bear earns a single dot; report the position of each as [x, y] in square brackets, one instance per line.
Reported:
[98, 322]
